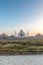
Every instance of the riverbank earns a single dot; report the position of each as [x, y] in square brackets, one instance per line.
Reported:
[21, 47]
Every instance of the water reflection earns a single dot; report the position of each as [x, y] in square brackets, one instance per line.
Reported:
[22, 60]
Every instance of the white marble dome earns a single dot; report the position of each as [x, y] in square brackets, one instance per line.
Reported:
[21, 34]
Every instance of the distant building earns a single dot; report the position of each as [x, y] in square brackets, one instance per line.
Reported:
[21, 34]
[3, 35]
[38, 35]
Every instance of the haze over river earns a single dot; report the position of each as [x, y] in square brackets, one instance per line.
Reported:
[22, 60]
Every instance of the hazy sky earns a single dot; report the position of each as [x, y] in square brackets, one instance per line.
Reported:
[21, 14]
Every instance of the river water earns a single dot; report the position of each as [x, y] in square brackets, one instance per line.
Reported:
[22, 60]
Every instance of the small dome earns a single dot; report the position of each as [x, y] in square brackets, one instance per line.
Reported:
[38, 35]
[4, 35]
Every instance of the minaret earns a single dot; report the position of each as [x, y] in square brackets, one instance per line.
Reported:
[15, 33]
[27, 33]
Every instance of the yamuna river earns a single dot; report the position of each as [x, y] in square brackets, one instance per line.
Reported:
[22, 60]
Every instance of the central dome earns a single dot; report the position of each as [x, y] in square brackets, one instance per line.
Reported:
[21, 33]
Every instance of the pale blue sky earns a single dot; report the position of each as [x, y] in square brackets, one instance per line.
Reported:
[21, 14]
